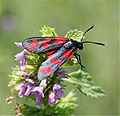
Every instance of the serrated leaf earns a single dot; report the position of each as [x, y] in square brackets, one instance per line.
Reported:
[83, 81]
[74, 34]
[14, 77]
[48, 32]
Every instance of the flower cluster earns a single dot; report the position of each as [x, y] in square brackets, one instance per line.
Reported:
[29, 85]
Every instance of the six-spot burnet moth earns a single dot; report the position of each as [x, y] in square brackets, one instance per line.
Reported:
[59, 49]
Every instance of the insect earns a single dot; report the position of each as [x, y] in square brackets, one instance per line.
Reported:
[59, 49]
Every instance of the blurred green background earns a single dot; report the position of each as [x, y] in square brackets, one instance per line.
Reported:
[20, 19]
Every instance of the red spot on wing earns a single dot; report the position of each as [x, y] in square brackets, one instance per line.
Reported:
[59, 62]
[50, 55]
[33, 44]
[60, 40]
[50, 52]
[68, 54]
[48, 70]
[56, 61]
[53, 60]
[45, 45]
[47, 40]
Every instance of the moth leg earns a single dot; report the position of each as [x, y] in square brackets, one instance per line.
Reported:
[79, 60]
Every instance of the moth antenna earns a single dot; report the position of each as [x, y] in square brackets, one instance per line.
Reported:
[87, 31]
[94, 43]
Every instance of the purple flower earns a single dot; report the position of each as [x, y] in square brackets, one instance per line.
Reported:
[20, 56]
[25, 89]
[57, 87]
[30, 81]
[59, 93]
[43, 84]
[18, 44]
[39, 97]
[30, 86]
[22, 89]
[53, 99]
[62, 73]
[56, 94]
[38, 93]
[21, 73]
[28, 89]
[22, 64]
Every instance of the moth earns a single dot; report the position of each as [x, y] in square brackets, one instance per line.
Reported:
[59, 50]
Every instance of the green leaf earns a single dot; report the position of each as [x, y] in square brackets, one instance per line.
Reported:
[74, 34]
[70, 62]
[67, 105]
[83, 81]
[14, 77]
[69, 98]
[31, 111]
[48, 32]
[30, 101]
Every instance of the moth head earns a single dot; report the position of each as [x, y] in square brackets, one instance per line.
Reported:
[80, 46]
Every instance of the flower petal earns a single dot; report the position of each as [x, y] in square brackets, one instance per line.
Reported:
[28, 90]
[21, 73]
[30, 81]
[39, 99]
[43, 83]
[19, 86]
[59, 93]
[19, 44]
[19, 56]
[57, 87]
[53, 98]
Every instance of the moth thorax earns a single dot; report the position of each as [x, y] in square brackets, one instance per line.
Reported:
[68, 44]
